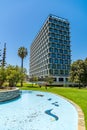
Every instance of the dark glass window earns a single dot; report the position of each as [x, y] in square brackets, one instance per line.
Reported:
[63, 67]
[66, 72]
[51, 71]
[61, 51]
[53, 55]
[55, 60]
[50, 19]
[55, 72]
[51, 39]
[61, 71]
[52, 25]
[55, 50]
[65, 52]
[58, 56]
[53, 45]
[58, 66]
[58, 45]
[50, 49]
[63, 56]
[50, 60]
[61, 79]
[54, 66]
[50, 66]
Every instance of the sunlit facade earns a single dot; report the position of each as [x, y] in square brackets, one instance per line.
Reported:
[50, 53]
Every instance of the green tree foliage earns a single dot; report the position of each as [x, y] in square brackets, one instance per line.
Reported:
[33, 79]
[49, 79]
[22, 53]
[2, 76]
[0, 58]
[78, 72]
[12, 75]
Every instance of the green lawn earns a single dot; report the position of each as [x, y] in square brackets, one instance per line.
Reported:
[79, 96]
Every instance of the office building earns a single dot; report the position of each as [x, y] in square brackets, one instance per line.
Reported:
[50, 53]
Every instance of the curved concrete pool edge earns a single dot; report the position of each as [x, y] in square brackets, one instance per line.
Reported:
[81, 121]
[6, 95]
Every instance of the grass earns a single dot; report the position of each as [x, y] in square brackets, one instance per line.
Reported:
[79, 96]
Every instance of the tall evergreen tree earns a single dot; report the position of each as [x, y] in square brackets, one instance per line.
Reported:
[3, 62]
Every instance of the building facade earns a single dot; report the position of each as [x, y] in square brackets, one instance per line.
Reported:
[50, 53]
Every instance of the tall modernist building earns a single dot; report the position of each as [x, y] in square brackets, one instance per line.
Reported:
[50, 53]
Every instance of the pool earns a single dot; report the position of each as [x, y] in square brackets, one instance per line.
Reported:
[36, 110]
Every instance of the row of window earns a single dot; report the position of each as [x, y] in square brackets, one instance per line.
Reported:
[60, 22]
[59, 40]
[59, 51]
[58, 66]
[57, 37]
[53, 55]
[59, 61]
[57, 26]
[61, 32]
[58, 72]
[57, 46]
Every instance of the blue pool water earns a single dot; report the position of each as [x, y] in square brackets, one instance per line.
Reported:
[36, 110]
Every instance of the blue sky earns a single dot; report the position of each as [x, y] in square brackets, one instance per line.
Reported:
[20, 20]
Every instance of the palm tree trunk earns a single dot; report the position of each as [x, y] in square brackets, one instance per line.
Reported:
[21, 71]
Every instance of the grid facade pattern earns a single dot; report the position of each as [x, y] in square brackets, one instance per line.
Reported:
[50, 51]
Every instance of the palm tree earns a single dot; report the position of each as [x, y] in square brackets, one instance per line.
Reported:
[22, 53]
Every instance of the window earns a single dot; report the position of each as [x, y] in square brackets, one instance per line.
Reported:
[50, 49]
[53, 55]
[65, 52]
[52, 25]
[63, 67]
[51, 39]
[50, 66]
[58, 56]
[55, 50]
[53, 45]
[57, 26]
[63, 56]
[54, 66]
[61, 72]
[50, 19]
[61, 51]
[55, 30]
[55, 72]
[58, 45]
[55, 40]
[61, 79]
[50, 71]
[55, 60]
[58, 66]
[51, 29]
[50, 60]
[66, 72]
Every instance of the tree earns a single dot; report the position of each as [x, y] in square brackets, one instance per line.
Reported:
[77, 72]
[2, 76]
[33, 79]
[49, 80]
[3, 62]
[14, 75]
[85, 72]
[22, 53]
[0, 58]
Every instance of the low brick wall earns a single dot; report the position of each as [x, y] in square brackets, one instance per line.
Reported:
[9, 94]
